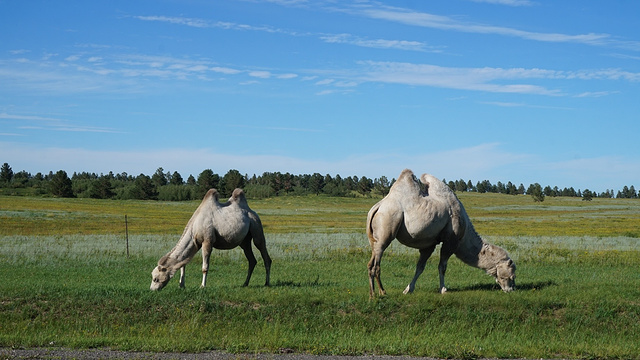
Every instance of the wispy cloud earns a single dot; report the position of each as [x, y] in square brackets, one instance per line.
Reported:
[422, 19]
[407, 16]
[199, 23]
[479, 79]
[379, 43]
[125, 72]
[35, 122]
[260, 74]
[122, 73]
[225, 70]
[596, 94]
[511, 80]
[602, 74]
[287, 76]
[329, 38]
[524, 105]
[87, 129]
[203, 23]
[28, 117]
[18, 51]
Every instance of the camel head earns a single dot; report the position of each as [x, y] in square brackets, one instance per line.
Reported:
[506, 275]
[160, 276]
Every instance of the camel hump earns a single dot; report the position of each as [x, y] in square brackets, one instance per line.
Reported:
[407, 184]
[212, 194]
[238, 196]
[405, 177]
[436, 184]
[406, 173]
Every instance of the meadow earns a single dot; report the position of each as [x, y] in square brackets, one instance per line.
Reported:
[67, 281]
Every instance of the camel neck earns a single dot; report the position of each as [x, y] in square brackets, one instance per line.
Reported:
[470, 247]
[183, 252]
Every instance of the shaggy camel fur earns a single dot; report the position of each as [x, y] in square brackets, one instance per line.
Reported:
[421, 219]
[214, 225]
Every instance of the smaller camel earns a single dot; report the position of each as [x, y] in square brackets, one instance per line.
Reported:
[215, 225]
[422, 219]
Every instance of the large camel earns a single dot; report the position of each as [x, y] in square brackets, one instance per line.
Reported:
[422, 219]
[214, 225]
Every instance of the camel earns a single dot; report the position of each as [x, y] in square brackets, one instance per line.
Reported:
[215, 225]
[422, 219]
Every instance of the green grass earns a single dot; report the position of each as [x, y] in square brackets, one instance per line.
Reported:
[577, 297]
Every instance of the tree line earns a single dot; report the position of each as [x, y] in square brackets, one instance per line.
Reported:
[171, 186]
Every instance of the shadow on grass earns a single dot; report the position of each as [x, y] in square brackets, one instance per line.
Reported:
[494, 287]
[299, 284]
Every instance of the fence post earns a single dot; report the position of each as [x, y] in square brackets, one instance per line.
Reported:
[126, 227]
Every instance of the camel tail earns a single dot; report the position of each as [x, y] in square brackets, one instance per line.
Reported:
[370, 216]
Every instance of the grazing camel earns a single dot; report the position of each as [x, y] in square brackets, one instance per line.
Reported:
[214, 225]
[421, 220]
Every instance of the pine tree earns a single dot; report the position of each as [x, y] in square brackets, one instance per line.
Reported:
[316, 183]
[101, 188]
[535, 190]
[60, 185]
[365, 185]
[6, 174]
[232, 180]
[207, 180]
[144, 188]
[159, 178]
[381, 185]
[176, 179]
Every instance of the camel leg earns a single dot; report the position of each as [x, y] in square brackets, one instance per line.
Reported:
[424, 256]
[377, 249]
[374, 271]
[182, 270]
[380, 236]
[445, 254]
[372, 274]
[206, 253]
[260, 243]
[248, 253]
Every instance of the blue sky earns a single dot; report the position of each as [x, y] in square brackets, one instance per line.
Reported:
[506, 90]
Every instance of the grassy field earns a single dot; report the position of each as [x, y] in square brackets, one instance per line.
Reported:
[67, 282]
